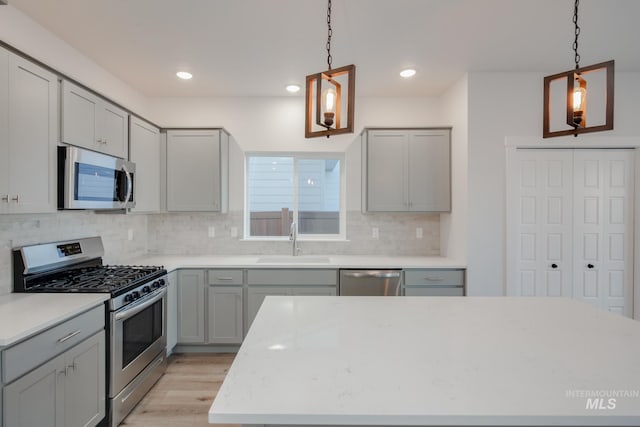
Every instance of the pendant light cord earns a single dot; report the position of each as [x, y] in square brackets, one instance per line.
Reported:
[330, 31]
[577, 33]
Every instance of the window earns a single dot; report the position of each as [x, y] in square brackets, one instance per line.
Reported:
[303, 189]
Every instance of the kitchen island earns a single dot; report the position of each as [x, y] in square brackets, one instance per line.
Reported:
[433, 361]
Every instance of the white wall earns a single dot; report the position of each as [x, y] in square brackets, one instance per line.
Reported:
[508, 105]
[453, 226]
[26, 35]
[263, 124]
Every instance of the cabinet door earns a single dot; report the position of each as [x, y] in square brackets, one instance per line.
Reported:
[145, 153]
[80, 112]
[37, 398]
[429, 171]
[114, 130]
[172, 312]
[225, 315]
[257, 294]
[193, 171]
[4, 130]
[191, 294]
[33, 118]
[85, 392]
[386, 171]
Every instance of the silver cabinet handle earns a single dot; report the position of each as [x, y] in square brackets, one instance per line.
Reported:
[16, 199]
[68, 336]
[5, 198]
[434, 279]
[224, 278]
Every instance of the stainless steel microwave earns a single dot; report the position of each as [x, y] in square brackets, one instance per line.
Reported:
[90, 180]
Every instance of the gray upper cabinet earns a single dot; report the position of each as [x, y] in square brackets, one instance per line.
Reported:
[197, 170]
[406, 170]
[91, 122]
[28, 136]
[144, 151]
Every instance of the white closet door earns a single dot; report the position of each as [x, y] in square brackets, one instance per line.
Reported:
[544, 216]
[603, 228]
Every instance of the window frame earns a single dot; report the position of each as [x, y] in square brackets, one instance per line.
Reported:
[297, 156]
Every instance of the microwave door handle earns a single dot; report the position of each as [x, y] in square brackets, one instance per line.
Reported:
[129, 185]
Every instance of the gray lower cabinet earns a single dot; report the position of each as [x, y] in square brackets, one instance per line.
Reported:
[191, 306]
[434, 282]
[225, 306]
[172, 311]
[210, 306]
[68, 390]
[224, 317]
[266, 282]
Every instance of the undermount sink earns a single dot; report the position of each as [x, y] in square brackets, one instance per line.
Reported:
[290, 259]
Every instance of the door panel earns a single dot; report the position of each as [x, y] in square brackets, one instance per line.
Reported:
[544, 237]
[603, 228]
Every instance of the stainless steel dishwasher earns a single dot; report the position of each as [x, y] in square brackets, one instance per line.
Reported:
[386, 283]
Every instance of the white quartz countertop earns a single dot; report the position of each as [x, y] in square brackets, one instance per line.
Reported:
[173, 262]
[433, 361]
[24, 314]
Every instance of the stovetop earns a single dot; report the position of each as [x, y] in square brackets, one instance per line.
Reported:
[113, 279]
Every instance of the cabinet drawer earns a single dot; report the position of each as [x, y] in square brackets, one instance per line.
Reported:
[435, 291]
[224, 277]
[433, 277]
[23, 357]
[292, 277]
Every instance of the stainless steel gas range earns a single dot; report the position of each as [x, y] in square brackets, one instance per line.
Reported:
[136, 313]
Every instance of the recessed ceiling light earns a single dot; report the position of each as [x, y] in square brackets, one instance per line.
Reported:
[293, 88]
[184, 75]
[408, 72]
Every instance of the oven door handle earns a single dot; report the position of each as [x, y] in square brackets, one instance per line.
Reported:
[139, 307]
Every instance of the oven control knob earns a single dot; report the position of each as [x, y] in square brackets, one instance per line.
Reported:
[156, 285]
[128, 298]
[135, 294]
[161, 282]
[146, 289]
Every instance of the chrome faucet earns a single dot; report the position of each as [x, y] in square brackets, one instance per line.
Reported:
[293, 236]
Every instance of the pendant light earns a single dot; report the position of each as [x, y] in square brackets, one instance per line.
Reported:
[576, 95]
[325, 113]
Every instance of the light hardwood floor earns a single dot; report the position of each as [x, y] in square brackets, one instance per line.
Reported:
[182, 397]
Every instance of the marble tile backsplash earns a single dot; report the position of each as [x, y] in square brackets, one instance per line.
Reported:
[19, 230]
[188, 233]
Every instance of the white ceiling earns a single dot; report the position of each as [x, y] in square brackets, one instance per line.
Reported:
[256, 47]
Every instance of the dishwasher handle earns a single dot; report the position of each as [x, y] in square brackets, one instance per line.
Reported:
[374, 274]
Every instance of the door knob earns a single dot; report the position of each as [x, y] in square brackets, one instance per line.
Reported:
[590, 266]
[554, 265]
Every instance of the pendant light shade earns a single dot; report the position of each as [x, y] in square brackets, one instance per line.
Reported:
[330, 96]
[577, 93]
[576, 100]
[326, 102]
